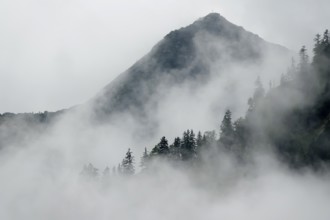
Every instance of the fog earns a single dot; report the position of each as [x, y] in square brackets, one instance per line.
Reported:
[41, 179]
[79, 47]
[34, 189]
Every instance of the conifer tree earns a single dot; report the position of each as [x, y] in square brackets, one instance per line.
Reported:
[317, 48]
[209, 139]
[259, 93]
[188, 145]
[240, 133]
[303, 56]
[144, 159]
[175, 149]
[163, 148]
[192, 140]
[325, 40]
[226, 130]
[199, 141]
[321, 59]
[304, 62]
[127, 165]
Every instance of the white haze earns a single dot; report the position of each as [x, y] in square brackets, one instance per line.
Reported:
[40, 179]
[48, 189]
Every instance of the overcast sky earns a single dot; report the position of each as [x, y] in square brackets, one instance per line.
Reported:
[58, 53]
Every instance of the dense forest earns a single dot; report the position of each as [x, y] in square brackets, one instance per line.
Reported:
[291, 119]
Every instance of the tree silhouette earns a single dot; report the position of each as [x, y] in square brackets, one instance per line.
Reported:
[127, 165]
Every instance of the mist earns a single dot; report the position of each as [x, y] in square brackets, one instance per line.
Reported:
[42, 178]
[43, 163]
[37, 189]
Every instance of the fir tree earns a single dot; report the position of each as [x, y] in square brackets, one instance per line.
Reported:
[226, 130]
[259, 93]
[175, 148]
[127, 165]
[240, 133]
[317, 48]
[304, 63]
[188, 145]
[192, 143]
[144, 159]
[321, 59]
[163, 148]
[199, 141]
[209, 139]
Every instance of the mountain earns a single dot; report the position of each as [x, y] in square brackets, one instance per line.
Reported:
[184, 55]
[190, 57]
[290, 120]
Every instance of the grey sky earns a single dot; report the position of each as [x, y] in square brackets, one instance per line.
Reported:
[55, 54]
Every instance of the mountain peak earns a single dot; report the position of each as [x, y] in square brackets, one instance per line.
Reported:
[212, 17]
[216, 24]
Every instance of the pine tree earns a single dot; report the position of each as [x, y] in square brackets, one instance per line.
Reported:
[199, 140]
[304, 62]
[321, 59]
[226, 130]
[317, 48]
[240, 133]
[188, 145]
[259, 93]
[144, 159]
[325, 40]
[175, 148]
[127, 165]
[192, 143]
[163, 148]
[303, 56]
[209, 139]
